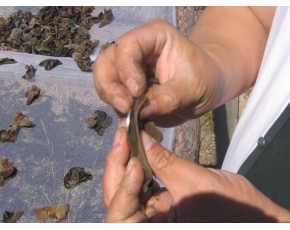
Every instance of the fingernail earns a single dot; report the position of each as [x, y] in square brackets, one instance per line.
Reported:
[118, 137]
[121, 104]
[133, 86]
[147, 140]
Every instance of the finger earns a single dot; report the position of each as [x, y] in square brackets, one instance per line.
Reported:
[115, 165]
[158, 206]
[107, 82]
[173, 171]
[136, 51]
[176, 94]
[125, 204]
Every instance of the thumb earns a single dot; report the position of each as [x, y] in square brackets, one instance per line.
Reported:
[125, 204]
[178, 175]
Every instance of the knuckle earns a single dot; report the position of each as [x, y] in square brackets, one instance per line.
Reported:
[170, 99]
[175, 99]
[161, 159]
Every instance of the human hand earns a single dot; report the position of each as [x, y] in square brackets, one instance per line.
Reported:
[187, 76]
[192, 194]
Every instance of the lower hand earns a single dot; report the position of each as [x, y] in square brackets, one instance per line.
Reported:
[192, 193]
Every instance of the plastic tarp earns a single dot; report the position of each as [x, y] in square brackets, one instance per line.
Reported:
[60, 139]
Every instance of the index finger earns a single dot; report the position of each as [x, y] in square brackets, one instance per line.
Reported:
[137, 53]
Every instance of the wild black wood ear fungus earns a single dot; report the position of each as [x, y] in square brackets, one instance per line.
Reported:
[49, 64]
[11, 217]
[58, 31]
[75, 176]
[32, 94]
[58, 212]
[99, 121]
[6, 170]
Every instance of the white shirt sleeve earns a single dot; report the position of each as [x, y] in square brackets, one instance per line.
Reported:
[270, 95]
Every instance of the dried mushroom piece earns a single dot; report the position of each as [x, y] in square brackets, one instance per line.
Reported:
[32, 94]
[49, 64]
[58, 212]
[30, 72]
[6, 170]
[11, 217]
[105, 18]
[8, 135]
[85, 64]
[20, 120]
[75, 176]
[57, 31]
[4, 61]
[99, 121]
[105, 46]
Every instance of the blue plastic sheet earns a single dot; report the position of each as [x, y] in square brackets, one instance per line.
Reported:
[60, 140]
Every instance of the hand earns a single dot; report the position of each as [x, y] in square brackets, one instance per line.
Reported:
[219, 60]
[123, 178]
[192, 194]
[187, 76]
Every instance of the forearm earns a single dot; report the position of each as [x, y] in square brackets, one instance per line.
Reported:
[235, 39]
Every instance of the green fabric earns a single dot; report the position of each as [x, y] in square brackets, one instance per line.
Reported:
[268, 166]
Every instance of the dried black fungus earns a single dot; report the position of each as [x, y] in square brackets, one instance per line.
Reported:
[6, 170]
[58, 31]
[99, 121]
[58, 212]
[7, 135]
[21, 120]
[105, 18]
[105, 46]
[30, 72]
[32, 94]
[11, 217]
[75, 176]
[10, 134]
[4, 61]
[49, 64]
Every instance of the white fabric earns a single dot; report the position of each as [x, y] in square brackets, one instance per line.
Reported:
[270, 96]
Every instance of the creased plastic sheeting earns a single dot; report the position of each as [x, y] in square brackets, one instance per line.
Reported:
[60, 140]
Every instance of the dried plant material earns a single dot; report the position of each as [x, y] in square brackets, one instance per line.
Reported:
[4, 61]
[49, 64]
[105, 46]
[99, 121]
[58, 212]
[11, 217]
[20, 120]
[30, 72]
[32, 94]
[7, 135]
[85, 64]
[75, 176]
[57, 31]
[105, 18]
[6, 170]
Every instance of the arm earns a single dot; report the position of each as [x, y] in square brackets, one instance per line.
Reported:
[235, 38]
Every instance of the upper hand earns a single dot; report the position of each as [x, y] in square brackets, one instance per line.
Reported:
[186, 74]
